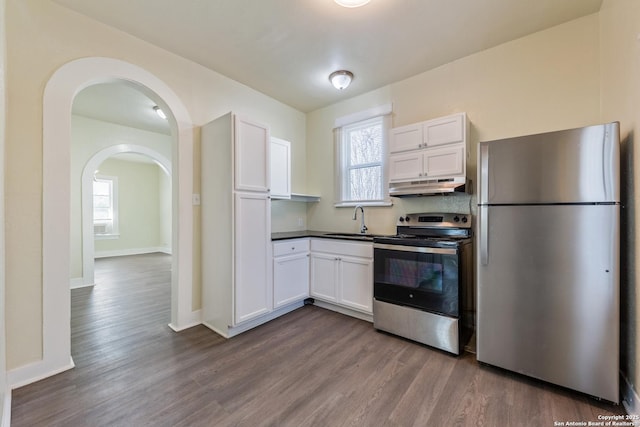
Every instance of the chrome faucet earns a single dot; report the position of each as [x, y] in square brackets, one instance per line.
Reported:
[363, 228]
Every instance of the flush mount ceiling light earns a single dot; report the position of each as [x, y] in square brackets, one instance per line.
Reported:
[341, 79]
[159, 112]
[351, 3]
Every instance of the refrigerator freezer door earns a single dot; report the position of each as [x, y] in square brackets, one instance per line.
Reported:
[548, 294]
[571, 166]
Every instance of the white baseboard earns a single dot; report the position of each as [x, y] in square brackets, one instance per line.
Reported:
[193, 319]
[132, 251]
[630, 399]
[33, 372]
[232, 331]
[78, 282]
[5, 421]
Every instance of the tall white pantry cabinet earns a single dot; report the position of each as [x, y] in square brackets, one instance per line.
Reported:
[236, 224]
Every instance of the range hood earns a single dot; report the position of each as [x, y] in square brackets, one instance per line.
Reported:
[428, 187]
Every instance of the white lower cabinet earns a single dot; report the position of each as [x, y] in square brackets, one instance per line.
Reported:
[355, 288]
[324, 276]
[290, 271]
[342, 273]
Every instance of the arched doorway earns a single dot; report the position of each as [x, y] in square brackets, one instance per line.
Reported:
[59, 93]
[87, 190]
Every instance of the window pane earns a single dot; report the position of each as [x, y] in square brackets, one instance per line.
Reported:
[101, 202]
[101, 214]
[101, 188]
[365, 145]
[103, 205]
[365, 183]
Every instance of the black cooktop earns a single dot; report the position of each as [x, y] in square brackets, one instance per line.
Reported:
[443, 230]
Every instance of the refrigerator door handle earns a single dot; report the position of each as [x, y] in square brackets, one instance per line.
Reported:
[483, 215]
[483, 162]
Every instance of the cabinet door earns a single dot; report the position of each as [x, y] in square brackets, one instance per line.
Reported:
[251, 149]
[356, 283]
[324, 276]
[253, 275]
[290, 279]
[445, 130]
[403, 167]
[406, 138]
[444, 161]
[280, 168]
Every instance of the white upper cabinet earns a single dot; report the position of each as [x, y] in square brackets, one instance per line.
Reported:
[406, 166]
[406, 138]
[432, 149]
[445, 130]
[280, 169]
[446, 161]
[252, 156]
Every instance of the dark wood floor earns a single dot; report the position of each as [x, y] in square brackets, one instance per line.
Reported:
[312, 367]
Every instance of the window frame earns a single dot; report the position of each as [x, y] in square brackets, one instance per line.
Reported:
[114, 233]
[380, 115]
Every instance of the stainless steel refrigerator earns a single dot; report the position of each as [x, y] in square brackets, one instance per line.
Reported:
[548, 257]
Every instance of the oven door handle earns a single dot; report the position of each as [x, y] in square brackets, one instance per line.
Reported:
[419, 249]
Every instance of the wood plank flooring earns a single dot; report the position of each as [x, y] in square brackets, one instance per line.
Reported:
[312, 367]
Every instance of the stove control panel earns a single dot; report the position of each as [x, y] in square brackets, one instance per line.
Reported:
[437, 220]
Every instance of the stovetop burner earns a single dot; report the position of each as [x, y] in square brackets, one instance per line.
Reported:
[443, 230]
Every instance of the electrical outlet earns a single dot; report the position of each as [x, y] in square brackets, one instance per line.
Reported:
[300, 222]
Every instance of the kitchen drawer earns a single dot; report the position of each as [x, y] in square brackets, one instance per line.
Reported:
[338, 247]
[289, 247]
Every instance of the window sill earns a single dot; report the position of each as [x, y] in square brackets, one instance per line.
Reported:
[106, 236]
[363, 204]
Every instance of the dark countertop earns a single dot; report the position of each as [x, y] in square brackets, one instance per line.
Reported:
[284, 235]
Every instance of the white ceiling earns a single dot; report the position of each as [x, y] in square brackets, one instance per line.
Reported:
[287, 48]
[121, 104]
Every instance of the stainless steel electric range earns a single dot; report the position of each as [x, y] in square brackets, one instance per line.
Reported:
[423, 280]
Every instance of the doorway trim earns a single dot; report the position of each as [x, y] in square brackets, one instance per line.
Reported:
[88, 249]
[59, 93]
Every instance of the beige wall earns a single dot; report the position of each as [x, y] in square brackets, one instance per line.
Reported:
[3, 370]
[88, 138]
[549, 80]
[41, 37]
[546, 81]
[620, 86]
[139, 200]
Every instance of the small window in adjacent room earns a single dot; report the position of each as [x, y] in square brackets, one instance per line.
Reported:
[361, 148]
[105, 207]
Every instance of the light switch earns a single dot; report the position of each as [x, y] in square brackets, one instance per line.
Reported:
[195, 199]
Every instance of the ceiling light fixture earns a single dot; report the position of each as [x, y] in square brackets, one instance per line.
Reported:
[352, 3]
[159, 112]
[341, 79]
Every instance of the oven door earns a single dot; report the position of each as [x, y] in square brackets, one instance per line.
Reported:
[423, 278]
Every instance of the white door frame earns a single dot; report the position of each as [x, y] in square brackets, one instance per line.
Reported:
[88, 247]
[59, 93]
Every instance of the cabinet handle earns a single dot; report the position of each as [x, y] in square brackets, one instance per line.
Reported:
[293, 248]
